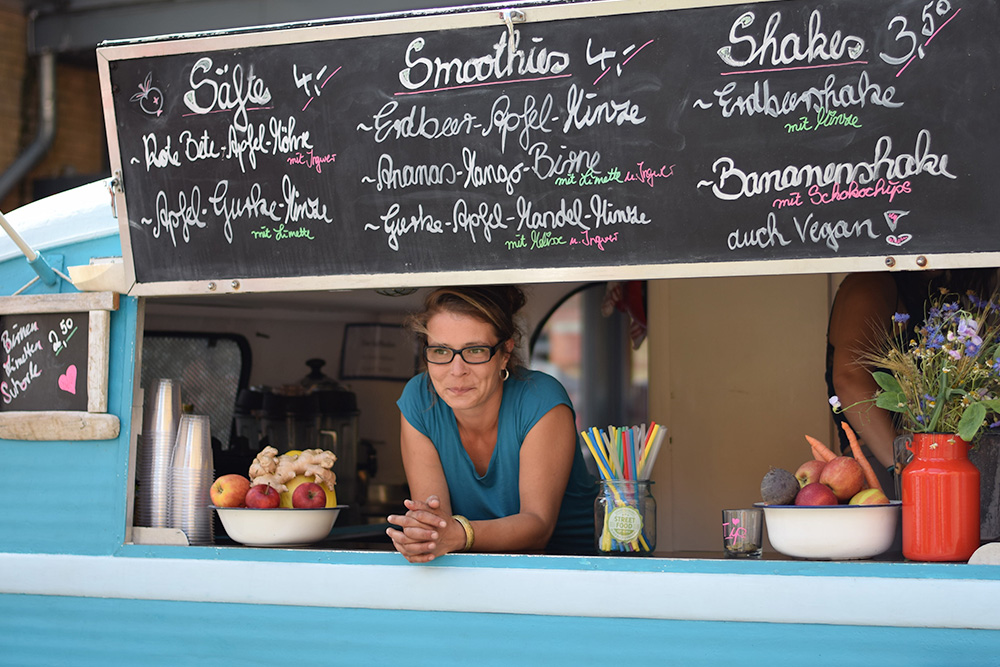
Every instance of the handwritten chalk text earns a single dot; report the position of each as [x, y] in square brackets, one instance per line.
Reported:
[733, 183]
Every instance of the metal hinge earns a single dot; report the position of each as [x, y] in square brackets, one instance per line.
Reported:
[115, 186]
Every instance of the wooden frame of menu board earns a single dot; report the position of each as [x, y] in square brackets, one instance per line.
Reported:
[47, 397]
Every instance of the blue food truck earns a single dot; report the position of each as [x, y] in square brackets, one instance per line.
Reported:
[288, 192]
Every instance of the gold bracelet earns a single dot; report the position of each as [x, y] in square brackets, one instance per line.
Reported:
[470, 536]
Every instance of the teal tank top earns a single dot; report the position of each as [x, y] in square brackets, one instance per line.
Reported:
[527, 396]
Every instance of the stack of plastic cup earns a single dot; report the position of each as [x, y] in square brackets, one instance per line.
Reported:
[191, 475]
[159, 433]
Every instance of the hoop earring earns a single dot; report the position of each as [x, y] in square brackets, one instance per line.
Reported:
[504, 374]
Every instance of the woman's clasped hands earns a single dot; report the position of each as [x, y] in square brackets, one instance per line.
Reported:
[427, 532]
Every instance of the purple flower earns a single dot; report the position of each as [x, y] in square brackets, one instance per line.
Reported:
[969, 328]
[966, 336]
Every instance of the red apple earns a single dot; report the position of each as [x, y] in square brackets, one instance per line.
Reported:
[809, 472]
[869, 497]
[816, 494]
[844, 476]
[308, 495]
[293, 483]
[262, 496]
[229, 491]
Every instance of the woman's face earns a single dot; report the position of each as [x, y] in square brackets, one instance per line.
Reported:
[465, 386]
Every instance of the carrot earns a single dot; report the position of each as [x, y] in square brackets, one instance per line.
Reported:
[820, 451]
[866, 467]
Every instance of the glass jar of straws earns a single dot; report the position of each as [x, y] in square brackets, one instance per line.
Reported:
[625, 511]
[625, 518]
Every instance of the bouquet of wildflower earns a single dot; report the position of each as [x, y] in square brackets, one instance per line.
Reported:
[946, 377]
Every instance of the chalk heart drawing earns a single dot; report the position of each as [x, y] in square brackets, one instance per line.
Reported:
[67, 381]
[898, 240]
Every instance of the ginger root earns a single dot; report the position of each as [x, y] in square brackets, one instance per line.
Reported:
[316, 463]
[275, 471]
[265, 463]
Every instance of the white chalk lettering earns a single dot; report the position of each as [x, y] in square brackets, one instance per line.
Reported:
[733, 183]
[503, 63]
[208, 94]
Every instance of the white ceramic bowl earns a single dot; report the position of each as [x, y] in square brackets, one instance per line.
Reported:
[280, 526]
[831, 532]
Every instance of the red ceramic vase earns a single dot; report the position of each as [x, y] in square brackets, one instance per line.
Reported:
[940, 500]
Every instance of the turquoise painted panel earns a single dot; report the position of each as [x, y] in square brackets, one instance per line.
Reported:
[70, 497]
[128, 632]
[711, 565]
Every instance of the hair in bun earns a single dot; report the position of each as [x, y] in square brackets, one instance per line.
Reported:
[496, 305]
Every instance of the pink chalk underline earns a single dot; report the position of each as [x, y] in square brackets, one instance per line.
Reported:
[625, 62]
[793, 69]
[914, 57]
[321, 86]
[194, 113]
[478, 85]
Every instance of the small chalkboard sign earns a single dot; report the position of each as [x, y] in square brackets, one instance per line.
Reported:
[54, 371]
[44, 361]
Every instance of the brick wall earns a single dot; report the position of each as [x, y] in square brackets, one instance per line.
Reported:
[13, 58]
[79, 147]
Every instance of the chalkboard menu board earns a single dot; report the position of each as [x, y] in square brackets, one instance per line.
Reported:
[45, 361]
[796, 129]
[54, 379]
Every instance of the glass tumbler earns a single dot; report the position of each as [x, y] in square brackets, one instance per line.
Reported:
[625, 518]
[742, 531]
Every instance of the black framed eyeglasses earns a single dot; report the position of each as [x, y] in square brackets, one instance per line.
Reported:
[474, 354]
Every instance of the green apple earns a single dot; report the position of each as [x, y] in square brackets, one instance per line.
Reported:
[869, 497]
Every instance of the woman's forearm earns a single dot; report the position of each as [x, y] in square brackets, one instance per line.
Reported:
[518, 532]
[875, 427]
[855, 389]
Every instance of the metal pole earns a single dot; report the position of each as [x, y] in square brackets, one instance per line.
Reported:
[35, 260]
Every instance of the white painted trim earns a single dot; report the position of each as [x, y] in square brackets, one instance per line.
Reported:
[693, 596]
[227, 285]
[445, 18]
